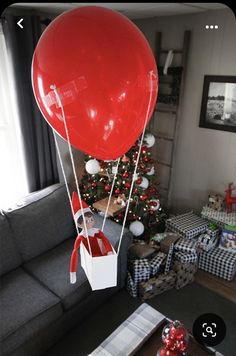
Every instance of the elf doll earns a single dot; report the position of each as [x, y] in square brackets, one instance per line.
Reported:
[99, 244]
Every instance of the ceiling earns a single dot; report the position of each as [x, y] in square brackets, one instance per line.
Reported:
[131, 10]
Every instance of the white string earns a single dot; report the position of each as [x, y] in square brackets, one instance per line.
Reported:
[72, 161]
[136, 165]
[109, 200]
[64, 176]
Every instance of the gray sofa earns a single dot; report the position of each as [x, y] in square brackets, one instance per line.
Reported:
[38, 303]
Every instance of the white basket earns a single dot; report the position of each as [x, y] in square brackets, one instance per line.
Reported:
[101, 271]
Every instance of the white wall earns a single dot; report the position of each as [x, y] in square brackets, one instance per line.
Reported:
[205, 158]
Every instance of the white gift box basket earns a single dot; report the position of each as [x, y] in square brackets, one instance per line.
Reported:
[101, 271]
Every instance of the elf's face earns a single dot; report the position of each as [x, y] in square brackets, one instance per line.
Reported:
[89, 220]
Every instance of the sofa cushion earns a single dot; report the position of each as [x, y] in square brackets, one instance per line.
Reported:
[26, 307]
[10, 257]
[43, 221]
[53, 270]
[112, 230]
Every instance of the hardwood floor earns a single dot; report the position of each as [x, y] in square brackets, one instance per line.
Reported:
[226, 289]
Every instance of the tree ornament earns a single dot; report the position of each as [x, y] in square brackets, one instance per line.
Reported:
[175, 337]
[94, 184]
[149, 140]
[143, 197]
[145, 183]
[137, 228]
[155, 204]
[92, 166]
[117, 191]
[151, 171]
[146, 158]
[127, 185]
[107, 188]
[125, 174]
[139, 181]
[151, 212]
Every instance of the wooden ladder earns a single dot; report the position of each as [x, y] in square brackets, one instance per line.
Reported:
[169, 104]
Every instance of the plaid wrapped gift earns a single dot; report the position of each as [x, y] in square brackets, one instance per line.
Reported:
[219, 216]
[186, 257]
[213, 233]
[219, 262]
[169, 258]
[155, 263]
[131, 287]
[207, 242]
[139, 269]
[157, 285]
[184, 273]
[186, 246]
[187, 225]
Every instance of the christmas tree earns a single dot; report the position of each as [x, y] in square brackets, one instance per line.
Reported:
[145, 205]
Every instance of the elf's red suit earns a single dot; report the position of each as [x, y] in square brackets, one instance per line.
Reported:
[99, 244]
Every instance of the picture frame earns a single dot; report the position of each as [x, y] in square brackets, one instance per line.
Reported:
[218, 108]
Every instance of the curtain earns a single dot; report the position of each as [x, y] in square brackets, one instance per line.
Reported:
[38, 141]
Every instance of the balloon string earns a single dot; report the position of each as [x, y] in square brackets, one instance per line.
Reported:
[136, 165]
[109, 199]
[64, 176]
[72, 162]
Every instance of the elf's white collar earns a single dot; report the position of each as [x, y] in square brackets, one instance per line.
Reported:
[91, 232]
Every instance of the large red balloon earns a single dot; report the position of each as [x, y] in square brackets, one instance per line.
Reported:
[100, 63]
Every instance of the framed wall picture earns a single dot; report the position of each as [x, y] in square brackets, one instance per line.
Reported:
[218, 110]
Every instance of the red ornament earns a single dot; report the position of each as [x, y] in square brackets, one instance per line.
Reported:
[94, 184]
[127, 185]
[125, 174]
[143, 197]
[117, 191]
[113, 48]
[138, 181]
[180, 334]
[151, 212]
[142, 166]
[154, 203]
[135, 191]
[146, 159]
[169, 344]
[182, 346]
[107, 188]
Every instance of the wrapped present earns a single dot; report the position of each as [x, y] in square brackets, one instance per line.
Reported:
[187, 225]
[139, 269]
[171, 238]
[169, 258]
[184, 273]
[156, 262]
[218, 262]
[228, 239]
[157, 285]
[186, 246]
[186, 257]
[215, 201]
[220, 217]
[141, 250]
[131, 287]
[212, 229]
[207, 242]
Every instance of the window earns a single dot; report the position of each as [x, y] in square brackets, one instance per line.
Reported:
[13, 181]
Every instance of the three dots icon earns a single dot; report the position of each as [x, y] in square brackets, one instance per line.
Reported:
[211, 27]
